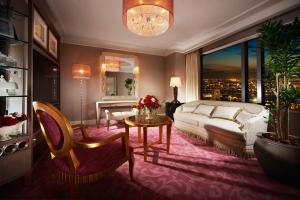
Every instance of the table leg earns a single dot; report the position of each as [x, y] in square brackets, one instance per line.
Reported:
[139, 135]
[98, 113]
[145, 143]
[160, 134]
[126, 141]
[168, 137]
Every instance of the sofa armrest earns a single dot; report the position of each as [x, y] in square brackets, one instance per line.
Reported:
[255, 125]
[179, 109]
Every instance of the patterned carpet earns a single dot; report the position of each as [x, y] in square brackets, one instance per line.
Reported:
[192, 170]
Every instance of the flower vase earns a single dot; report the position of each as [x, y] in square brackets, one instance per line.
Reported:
[148, 114]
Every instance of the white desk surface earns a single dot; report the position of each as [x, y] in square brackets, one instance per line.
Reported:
[118, 101]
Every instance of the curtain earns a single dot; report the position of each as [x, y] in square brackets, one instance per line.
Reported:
[192, 76]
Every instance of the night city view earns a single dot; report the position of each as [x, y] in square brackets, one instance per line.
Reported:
[222, 74]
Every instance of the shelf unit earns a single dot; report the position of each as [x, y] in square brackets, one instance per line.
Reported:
[16, 153]
[35, 66]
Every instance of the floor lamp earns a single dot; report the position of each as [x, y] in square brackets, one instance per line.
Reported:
[81, 72]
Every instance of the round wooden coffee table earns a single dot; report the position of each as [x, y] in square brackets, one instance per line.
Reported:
[140, 121]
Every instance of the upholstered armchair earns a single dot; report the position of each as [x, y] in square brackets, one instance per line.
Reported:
[81, 161]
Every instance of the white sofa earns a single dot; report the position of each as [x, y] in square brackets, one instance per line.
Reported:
[236, 135]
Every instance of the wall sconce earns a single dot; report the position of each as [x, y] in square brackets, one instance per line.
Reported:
[136, 70]
[103, 68]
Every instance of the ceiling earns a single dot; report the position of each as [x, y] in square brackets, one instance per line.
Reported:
[196, 23]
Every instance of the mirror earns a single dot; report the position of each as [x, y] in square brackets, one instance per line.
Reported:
[119, 76]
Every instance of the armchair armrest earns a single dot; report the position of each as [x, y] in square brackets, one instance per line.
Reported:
[90, 144]
[179, 108]
[255, 125]
[82, 128]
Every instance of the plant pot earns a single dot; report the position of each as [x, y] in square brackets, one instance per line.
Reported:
[280, 161]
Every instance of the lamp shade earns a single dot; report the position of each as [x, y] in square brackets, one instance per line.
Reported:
[175, 81]
[81, 71]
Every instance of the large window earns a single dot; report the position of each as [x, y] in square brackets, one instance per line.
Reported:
[252, 71]
[235, 73]
[221, 74]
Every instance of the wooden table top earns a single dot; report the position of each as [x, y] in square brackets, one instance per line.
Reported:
[141, 121]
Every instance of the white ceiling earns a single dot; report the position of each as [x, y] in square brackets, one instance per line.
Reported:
[196, 22]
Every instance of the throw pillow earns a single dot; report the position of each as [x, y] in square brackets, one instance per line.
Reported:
[188, 108]
[204, 110]
[226, 112]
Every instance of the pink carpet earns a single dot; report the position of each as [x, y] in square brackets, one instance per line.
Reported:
[192, 170]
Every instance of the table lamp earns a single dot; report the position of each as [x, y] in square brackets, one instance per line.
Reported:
[175, 82]
[81, 72]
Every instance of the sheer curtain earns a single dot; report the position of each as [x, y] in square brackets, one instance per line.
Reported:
[192, 76]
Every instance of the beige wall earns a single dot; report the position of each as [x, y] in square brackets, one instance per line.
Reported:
[152, 79]
[175, 66]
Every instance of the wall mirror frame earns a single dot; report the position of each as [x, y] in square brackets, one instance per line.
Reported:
[108, 83]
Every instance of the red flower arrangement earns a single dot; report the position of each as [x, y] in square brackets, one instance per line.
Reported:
[148, 102]
[12, 119]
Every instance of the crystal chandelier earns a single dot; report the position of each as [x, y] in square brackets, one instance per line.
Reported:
[148, 17]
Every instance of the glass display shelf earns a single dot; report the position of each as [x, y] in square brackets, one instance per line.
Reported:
[8, 96]
[9, 40]
[14, 12]
[12, 67]
[15, 138]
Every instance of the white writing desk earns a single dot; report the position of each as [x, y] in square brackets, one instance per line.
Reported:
[112, 104]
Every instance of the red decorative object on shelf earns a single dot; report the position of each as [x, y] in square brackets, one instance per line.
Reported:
[12, 119]
[11, 125]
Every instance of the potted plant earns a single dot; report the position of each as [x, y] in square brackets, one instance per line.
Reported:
[129, 85]
[278, 152]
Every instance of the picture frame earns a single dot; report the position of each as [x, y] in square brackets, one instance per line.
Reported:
[52, 44]
[40, 29]
[6, 28]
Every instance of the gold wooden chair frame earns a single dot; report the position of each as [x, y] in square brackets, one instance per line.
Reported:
[68, 144]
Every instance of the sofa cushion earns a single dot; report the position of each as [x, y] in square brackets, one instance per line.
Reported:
[204, 110]
[224, 112]
[244, 116]
[189, 118]
[189, 108]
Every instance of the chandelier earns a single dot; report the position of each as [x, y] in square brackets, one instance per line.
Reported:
[148, 17]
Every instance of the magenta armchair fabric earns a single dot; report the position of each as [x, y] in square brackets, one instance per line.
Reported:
[52, 129]
[94, 160]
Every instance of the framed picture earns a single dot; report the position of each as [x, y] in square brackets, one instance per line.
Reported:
[52, 44]
[40, 29]
[6, 28]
